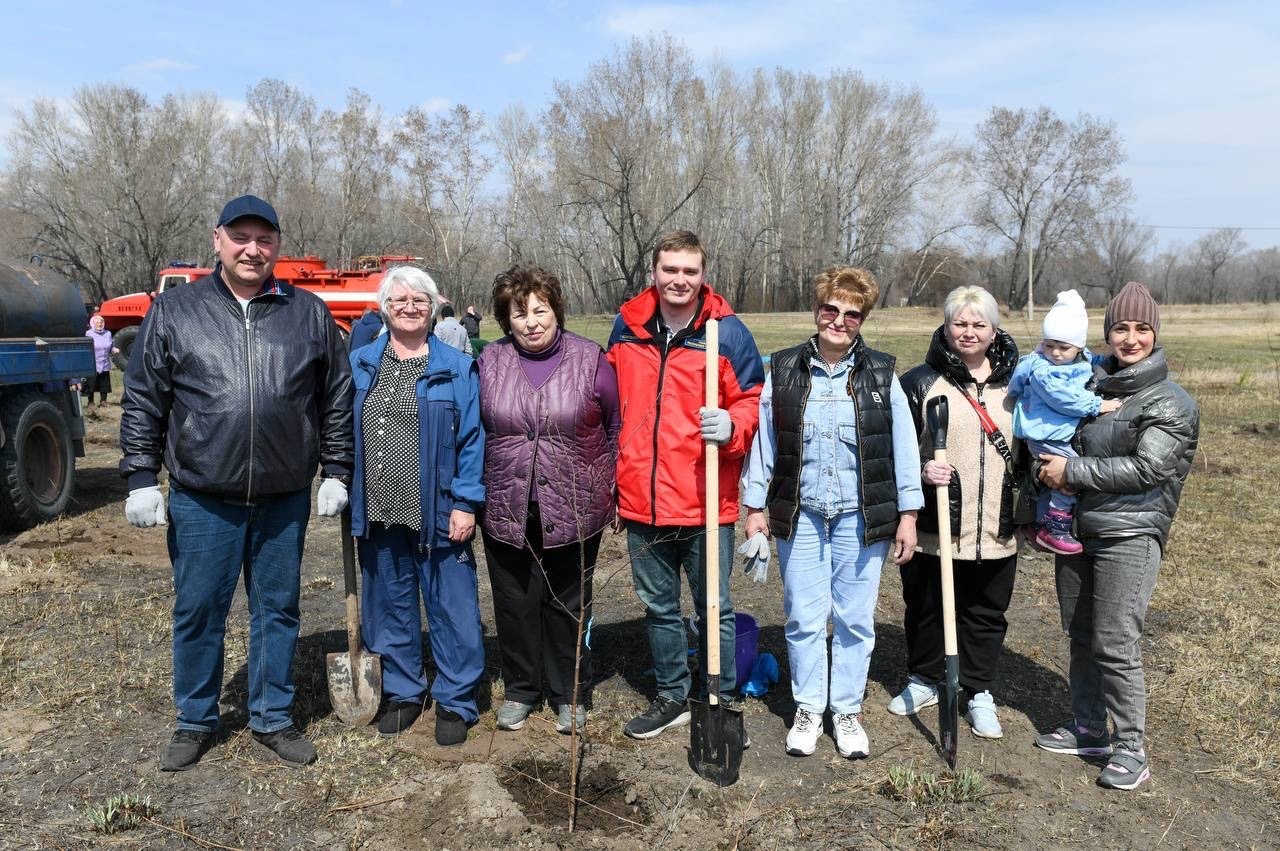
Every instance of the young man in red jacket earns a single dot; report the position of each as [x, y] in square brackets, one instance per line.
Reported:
[658, 349]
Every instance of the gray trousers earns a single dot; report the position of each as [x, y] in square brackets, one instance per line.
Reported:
[1103, 594]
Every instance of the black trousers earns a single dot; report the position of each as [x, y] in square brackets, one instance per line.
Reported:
[537, 596]
[983, 590]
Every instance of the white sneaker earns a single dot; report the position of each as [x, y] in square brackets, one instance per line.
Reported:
[916, 696]
[802, 739]
[851, 739]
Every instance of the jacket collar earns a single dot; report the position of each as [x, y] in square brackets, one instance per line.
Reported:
[1003, 355]
[1130, 379]
[641, 313]
[369, 356]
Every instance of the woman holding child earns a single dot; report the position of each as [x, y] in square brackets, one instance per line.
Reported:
[1129, 481]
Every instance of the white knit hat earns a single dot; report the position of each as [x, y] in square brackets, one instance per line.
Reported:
[1067, 321]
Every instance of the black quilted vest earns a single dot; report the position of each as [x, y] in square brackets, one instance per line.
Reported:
[870, 380]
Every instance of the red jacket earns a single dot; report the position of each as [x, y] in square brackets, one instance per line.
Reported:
[661, 460]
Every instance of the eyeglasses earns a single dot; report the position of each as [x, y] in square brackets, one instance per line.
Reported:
[399, 305]
[829, 313]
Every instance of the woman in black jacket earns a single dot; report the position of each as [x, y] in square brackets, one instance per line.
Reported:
[970, 361]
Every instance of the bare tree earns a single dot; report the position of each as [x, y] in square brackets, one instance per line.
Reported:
[1211, 253]
[114, 187]
[1042, 183]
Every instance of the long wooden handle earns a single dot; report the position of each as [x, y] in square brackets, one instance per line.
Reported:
[944, 553]
[711, 629]
[349, 580]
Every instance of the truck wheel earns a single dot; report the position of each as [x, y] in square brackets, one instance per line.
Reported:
[37, 464]
[123, 340]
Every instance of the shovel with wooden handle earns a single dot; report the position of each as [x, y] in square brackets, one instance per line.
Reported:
[355, 677]
[716, 736]
[949, 688]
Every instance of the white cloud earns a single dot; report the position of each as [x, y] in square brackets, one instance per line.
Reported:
[156, 66]
[735, 31]
[515, 57]
[436, 104]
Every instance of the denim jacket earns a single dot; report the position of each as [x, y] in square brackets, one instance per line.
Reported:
[450, 446]
[829, 471]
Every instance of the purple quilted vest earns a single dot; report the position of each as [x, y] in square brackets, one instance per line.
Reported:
[550, 440]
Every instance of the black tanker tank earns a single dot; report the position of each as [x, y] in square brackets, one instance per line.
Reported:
[36, 301]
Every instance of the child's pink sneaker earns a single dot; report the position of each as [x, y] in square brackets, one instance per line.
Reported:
[1055, 535]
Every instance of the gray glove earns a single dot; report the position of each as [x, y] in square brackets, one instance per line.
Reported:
[145, 507]
[331, 499]
[755, 556]
[716, 425]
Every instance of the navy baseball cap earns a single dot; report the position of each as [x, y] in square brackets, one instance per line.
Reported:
[249, 205]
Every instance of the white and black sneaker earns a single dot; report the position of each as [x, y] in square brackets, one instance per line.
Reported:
[802, 739]
[851, 739]
[661, 714]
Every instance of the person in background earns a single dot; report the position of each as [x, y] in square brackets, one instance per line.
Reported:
[449, 330]
[365, 329]
[969, 362]
[549, 403]
[238, 384]
[658, 348]
[415, 495]
[100, 381]
[1129, 477]
[1052, 387]
[834, 478]
[471, 322]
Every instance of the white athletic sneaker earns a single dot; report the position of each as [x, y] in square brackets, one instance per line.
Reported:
[851, 739]
[916, 696]
[802, 739]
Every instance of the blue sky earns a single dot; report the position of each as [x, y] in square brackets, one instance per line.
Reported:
[1193, 87]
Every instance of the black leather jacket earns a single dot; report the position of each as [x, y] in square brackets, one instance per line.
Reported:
[1135, 460]
[240, 407]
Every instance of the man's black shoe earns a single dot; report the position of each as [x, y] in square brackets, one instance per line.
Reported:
[398, 717]
[185, 749]
[291, 746]
[450, 728]
[663, 713]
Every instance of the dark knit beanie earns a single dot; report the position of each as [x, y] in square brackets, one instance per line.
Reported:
[1134, 303]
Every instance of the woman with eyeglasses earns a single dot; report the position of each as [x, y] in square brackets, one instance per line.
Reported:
[417, 488]
[834, 479]
[969, 362]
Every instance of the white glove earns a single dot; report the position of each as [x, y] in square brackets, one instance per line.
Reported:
[755, 556]
[331, 499]
[716, 425]
[145, 507]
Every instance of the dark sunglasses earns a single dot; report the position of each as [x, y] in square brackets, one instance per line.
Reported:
[830, 312]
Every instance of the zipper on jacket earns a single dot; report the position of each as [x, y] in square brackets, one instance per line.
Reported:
[982, 473]
[657, 418]
[253, 426]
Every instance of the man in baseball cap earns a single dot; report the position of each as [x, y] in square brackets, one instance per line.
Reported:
[240, 386]
[248, 205]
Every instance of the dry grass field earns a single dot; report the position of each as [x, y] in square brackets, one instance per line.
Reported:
[85, 676]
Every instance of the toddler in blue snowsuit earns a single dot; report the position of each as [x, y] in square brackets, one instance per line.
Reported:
[1052, 393]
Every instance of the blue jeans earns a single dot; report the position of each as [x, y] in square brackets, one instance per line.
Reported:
[657, 554]
[395, 572]
[210, 542]
[1055, 500]
[827, 572]
[1103, 594]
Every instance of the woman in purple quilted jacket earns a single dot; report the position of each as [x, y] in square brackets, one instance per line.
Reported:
[549, 404]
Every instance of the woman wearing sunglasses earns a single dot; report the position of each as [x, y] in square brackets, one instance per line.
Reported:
[970, 361]
[834, 478]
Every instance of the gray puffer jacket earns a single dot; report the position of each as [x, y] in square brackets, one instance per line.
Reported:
[1134, 461]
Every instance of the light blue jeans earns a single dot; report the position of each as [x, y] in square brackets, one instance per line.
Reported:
[1103, 593]
[828, 573]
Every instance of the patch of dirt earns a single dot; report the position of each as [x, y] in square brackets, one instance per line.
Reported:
[607, 803]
